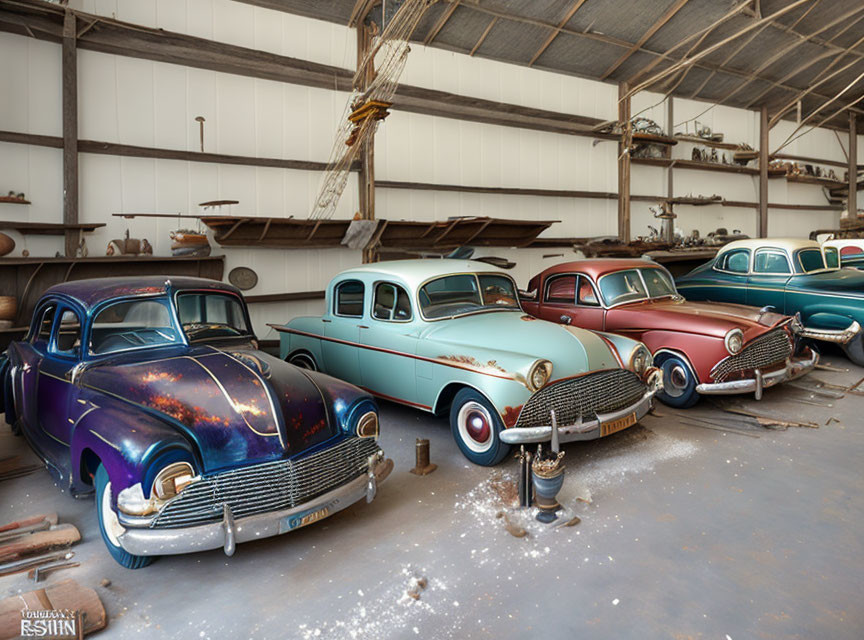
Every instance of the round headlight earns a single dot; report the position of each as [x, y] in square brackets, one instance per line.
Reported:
[539, 374]
[172, 480]
[734, 341]
[641, 360]
[367, 425]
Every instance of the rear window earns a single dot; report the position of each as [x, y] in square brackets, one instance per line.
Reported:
[349, 299]
[736, 261]
[811, 260]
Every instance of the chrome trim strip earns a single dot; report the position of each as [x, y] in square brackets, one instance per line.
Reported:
[839, 336]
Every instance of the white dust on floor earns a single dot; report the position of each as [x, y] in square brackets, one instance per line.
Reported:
[477, 544]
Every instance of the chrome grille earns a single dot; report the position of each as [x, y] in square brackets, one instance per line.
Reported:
[271, 486]
[768, 350]
[586, 396]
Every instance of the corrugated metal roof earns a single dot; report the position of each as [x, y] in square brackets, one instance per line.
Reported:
[601, 32]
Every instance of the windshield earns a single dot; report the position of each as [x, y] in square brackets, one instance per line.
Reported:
[811, 260]
[466, 293]
[205, 316]
[630, 285]
[132, 324]
[832, 258]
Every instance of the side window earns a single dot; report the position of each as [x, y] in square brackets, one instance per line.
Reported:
[587, 297]
[69, 333]
[832, 258]
[391, 303]
[771, 262]
[561, 289]
[43, 331]
[851, 250]
[349, 299]
[736, 261]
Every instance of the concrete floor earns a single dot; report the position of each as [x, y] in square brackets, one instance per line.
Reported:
[689, 533]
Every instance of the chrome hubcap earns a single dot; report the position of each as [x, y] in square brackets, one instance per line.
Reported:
[676, 381]
[475, 427]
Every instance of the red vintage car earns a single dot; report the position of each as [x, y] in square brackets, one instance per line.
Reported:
[703, 348]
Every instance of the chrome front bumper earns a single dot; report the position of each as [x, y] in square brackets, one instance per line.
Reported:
[795, 368]
[840, 336]
[589, 430]
[229, 532]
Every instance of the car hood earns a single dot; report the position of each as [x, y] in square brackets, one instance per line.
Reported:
[240, 406]
[510, 339]
[846, 281]
[714, 319]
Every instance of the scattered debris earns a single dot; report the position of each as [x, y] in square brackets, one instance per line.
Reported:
[417, 585]
[60, 536]
[768, 421]
[17, 566]
[105, 582]
[717, 427]
[819, 392]
[63, 595]
[514, 530]
[40, 572]
[826, 367]
[572, 522]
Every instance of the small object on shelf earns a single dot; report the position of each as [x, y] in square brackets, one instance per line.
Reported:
[7, 245]
[243, 278]
[14, 198]
[129, 246]
[189, 243]
[217, 203]
[422, 466]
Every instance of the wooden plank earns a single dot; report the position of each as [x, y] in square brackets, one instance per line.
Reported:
[696, 166]
[70, 130]
[133, 151]
[29, 521]
[50, 228]
[624, 163]
[445, 16]
[764, 129]
[567, 17]
[852, 199]
[674, 8]
[62, 535]
[62, 595]
[483, 36]
[809, 160]
[513, 191]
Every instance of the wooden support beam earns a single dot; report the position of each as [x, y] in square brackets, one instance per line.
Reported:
[69, 70]
[674, 8]
[367, 153]
[508, 191]
[670, 123]
[852, 202]
[132, 151]
[445, 16]
[483, 36]
[764, 158]
[624, 163]
[567, 17]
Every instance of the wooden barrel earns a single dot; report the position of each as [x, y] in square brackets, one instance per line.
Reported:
[8, 307]
[7, 244]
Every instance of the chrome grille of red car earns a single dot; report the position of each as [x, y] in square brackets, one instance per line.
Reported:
[767, 350]
[271, 486]
[586, 396]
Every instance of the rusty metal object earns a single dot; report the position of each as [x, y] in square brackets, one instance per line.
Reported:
[526, 495]
[40, 572]
[422, 466]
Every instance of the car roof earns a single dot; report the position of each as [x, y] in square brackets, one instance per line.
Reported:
[789, 244]
[844, 242]
[596, 267]
[416, 272]
[92, 291]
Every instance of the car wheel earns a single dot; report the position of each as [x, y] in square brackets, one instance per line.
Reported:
[855, 349]
[476, 425]
[303, 360]
[679, 384]
[108, 524]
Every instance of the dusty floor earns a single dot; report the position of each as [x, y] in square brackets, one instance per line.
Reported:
[690, 533]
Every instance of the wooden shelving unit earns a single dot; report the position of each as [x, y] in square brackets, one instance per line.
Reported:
[680, 163]
[13, 200]
[48, 228]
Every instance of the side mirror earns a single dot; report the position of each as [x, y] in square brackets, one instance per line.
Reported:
[74, 374]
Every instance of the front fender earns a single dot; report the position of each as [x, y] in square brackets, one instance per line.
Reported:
[828, 320]
[341, 397]
[623, 347]
[126, 443]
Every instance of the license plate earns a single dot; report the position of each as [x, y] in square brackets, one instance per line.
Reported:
[617, 425]
[295, 522]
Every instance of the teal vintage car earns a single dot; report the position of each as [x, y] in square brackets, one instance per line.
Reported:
[449, 337]
[790, 276]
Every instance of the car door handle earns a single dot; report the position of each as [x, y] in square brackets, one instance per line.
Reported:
[566, 319]
[325, 320]
[362, 326]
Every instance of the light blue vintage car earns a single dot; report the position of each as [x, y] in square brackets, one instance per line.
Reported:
[449, 336]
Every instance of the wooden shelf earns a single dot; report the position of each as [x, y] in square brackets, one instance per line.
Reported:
[651, 138]
[48, 228]
[680, 163]
[285, 297]
[807, 160]
[13, 200]
[824, 182]
[154, 215]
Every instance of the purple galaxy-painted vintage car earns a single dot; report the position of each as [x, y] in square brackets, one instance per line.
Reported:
[152, 393]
